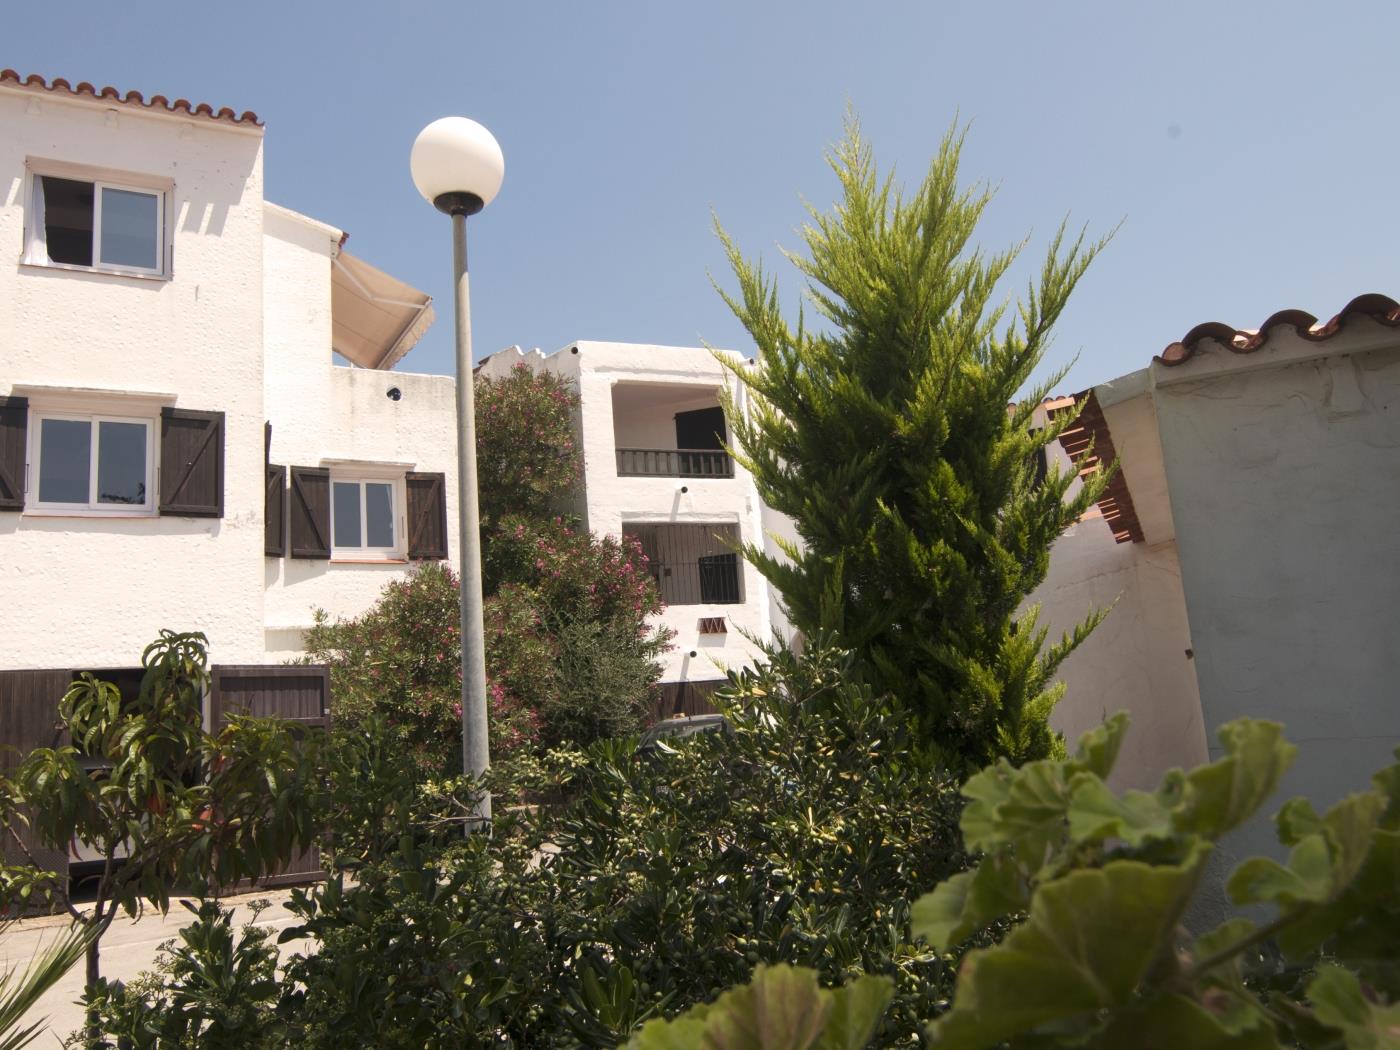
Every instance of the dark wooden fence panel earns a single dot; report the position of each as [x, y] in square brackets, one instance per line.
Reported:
[297, 693]
[29, 720]
[685, 698]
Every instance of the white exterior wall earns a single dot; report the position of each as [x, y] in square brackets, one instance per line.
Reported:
[327, 415]
[95, 591]
[243, 326]
[1282, 467]
[612, 501]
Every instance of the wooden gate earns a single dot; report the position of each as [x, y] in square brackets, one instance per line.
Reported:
[297, 693]
[29, 720]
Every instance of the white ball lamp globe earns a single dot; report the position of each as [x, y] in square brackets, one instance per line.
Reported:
[457, 165]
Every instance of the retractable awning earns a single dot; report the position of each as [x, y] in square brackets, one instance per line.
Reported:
[375, 318]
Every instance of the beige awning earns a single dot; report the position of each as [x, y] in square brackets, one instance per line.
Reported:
[375, 318]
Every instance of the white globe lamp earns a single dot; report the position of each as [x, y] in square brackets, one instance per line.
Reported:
[457, 165]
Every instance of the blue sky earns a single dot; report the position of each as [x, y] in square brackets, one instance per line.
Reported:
[1247, 148]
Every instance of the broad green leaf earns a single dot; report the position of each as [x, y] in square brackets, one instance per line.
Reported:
[1096, 813]
[1296, 821]
[781, 1008]
[1387, 782]
[856, 1010]
[1321, 865]
[1364, 921]
[1098, 748]
[985, 792]
[1091, 937]
[1224, 794]
[1339, 1002]
[1176, 1022]
[962, 905]
[1226, 974]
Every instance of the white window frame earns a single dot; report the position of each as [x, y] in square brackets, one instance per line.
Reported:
[36, 236]
[395, 482]
[92, 508]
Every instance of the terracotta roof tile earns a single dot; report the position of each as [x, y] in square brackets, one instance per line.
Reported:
[1090, 446]
[131, 98]
[1380, 308]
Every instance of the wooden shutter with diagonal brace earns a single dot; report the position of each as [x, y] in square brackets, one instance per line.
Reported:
[191, 463]
[427, 515]
[309, 502]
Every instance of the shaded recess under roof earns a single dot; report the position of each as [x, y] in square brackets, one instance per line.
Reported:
[375, 318]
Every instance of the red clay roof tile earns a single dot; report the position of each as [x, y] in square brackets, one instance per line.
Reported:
[1380, 308]
[131, 98]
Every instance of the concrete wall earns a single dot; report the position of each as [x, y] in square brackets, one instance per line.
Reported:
[1282, 469]
[1138, 660]
[85, 591]
[326, 415]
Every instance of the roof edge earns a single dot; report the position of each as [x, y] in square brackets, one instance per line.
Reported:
[85, 91]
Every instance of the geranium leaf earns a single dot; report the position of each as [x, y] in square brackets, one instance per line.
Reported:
[1226, 793]
[1096, 813]
[1091, 937]
[962, 905]
[1339, 1002]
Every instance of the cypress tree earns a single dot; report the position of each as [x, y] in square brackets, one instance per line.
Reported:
[888, 433]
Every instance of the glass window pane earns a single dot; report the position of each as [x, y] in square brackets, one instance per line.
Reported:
[129, 235]
[379, 515]
[65, 460]
[345, 512]
[121, 463]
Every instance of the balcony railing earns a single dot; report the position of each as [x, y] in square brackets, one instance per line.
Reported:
[713, 580]
[673, 463]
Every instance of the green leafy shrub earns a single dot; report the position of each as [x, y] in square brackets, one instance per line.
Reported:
[1101, 958]
[215, 991]
[527, 454]
[401, 661]
[797, 836]
[884, 434]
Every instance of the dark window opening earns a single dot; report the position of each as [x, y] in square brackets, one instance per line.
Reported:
[701, 429]
[68, 220]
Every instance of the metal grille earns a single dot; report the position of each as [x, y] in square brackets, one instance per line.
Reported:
[692, 564]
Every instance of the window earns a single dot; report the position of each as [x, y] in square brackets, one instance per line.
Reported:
[93, 464]
[364, 518]
[691, 564]
[96, 225]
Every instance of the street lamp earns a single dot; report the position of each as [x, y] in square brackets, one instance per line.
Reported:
[458, 166]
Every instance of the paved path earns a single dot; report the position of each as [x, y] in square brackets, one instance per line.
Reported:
[128, 947]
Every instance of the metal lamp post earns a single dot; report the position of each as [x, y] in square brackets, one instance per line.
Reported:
[458, 166]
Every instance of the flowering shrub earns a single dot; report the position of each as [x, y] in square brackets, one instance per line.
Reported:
[526, 452]
[402, 661]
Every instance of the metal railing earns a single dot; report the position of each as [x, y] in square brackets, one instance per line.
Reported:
[673, 463]
[713, 580]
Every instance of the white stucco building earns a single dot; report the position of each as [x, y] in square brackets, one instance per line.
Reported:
[654, 468]
[1258, 569]
[178, 447]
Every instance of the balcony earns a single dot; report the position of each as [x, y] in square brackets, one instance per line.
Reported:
[669, 430]
[673, 463]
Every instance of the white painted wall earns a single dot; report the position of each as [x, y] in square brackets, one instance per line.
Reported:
[1282, 467]
[243, 325]
[322, 412]
[611, 501]
[86, 591]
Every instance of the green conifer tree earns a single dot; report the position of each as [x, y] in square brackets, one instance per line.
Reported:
[885, 434]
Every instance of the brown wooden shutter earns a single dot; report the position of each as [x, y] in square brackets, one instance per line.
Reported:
[14, 430]
[275, 512]
[309, 500]
[191, 463]
[29, 720]
[427, 515]
[299, 693]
